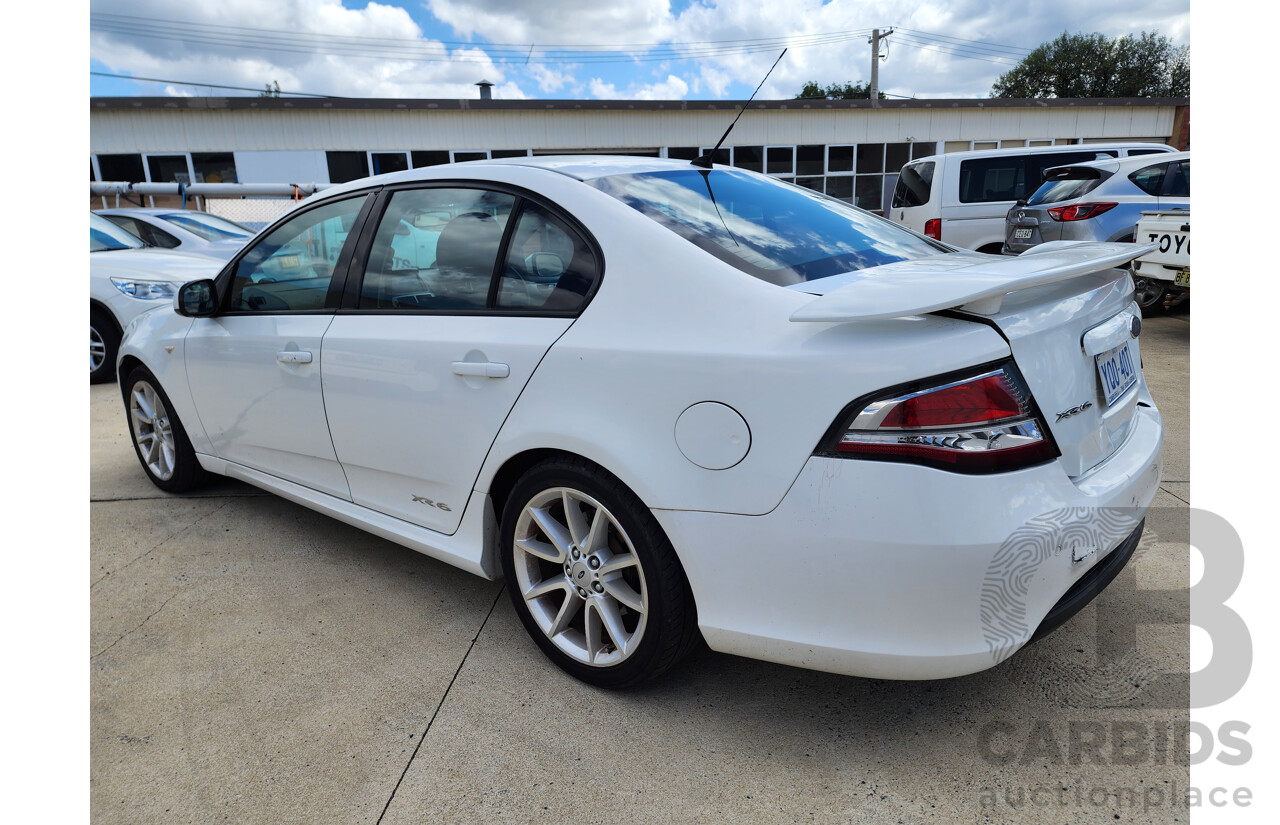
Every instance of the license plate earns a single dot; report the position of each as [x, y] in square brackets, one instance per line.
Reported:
[1021, 234]
[1182, 277]
[1117, 371]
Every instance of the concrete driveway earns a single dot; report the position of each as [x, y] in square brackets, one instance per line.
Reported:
[252, 661]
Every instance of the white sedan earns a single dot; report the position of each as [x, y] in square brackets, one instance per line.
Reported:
[126, 278]
[186, 230]
[662, 400]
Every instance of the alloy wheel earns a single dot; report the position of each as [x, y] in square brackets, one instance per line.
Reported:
[151, 430]
[580, 577]
[97, 350]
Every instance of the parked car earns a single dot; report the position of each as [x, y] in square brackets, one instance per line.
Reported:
[126, 278]
[1098, 201]
[962, 197]
[663, 400]
[186, 230]
[1163, 275]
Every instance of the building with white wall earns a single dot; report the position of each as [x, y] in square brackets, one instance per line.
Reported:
[850, 149]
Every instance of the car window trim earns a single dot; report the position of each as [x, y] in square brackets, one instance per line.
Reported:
[350, 303]
[341, 268]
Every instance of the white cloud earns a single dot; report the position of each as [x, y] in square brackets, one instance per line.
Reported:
[558, 22]
[220, 55]
[673, 88]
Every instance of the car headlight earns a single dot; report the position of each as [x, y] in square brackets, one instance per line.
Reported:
[145, 290]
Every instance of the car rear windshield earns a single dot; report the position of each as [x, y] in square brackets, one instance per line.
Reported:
[779, 233]
[914, 183]
[104, 235]
[209, 227]
[1068, 185]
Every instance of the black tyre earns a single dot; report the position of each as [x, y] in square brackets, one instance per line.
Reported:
[593, 577]
[104, 343]
[1149, 294]
[159, 438]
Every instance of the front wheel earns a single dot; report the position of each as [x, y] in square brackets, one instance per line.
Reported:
[104, 343]
[159, 438]
[593, 577]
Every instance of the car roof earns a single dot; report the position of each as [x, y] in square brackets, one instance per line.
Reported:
[1160, 148]
[136, 210]
[1114, 165]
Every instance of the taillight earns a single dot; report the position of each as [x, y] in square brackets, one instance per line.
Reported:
[1080, 211]
[933, 228]
[984, 422]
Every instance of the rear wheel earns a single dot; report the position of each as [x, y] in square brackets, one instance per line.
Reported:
[104, 343]
[159, 438]
[593, 577]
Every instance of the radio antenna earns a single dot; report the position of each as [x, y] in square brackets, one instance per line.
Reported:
[704, 162]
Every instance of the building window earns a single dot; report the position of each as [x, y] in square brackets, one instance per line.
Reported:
[214, 167]
[723, 156]
[749, 157]
[462, 157]
[923, 150]
[780, 160]
[168, 169]
[683, 152]
[345, 166]
[121, 167]
[384, 162]
[429, 158]
[809, 160]
[509, 153]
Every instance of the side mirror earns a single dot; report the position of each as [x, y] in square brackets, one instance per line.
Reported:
[544, 265]
[196, 299]
[1021, 202]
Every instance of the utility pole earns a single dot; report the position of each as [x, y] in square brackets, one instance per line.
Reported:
[876, 57]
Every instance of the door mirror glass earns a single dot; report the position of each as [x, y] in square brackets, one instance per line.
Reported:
[196, 299]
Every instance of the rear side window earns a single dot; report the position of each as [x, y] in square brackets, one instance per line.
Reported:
[1150, 179]
[983, 180]
[914, 185]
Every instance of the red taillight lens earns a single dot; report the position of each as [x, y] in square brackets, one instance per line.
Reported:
[1080, 211]
[933, 228]
[974, 402]
[982, 423]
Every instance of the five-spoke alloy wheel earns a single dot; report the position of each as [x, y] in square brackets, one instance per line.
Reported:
[158, 437]
[104, 343]
[593, 577]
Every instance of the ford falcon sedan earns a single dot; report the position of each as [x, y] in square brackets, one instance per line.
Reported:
[666, 402]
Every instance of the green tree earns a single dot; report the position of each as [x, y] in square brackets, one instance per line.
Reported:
[271, 91]
[1094, 65]
[849, 91]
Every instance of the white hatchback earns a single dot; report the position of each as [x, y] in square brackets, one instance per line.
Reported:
[664, 400]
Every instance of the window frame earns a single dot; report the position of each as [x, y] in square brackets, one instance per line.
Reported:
[377, 207]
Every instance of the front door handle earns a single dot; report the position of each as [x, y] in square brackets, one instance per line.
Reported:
[294, 356]
[483, 369]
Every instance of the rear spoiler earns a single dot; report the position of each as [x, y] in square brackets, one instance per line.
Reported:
[970, 282]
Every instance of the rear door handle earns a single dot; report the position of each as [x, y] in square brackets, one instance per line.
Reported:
[483, 369]
[294, 356]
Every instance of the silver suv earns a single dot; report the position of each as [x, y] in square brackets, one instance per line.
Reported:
[1099, 200]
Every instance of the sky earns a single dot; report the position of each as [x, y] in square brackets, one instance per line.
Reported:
[571, 49]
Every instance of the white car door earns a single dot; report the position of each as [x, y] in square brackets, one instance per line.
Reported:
[255, 368]
[423, 365]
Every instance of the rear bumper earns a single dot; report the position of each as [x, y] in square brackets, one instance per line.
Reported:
[903, 572]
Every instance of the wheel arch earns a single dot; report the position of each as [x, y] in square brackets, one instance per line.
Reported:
[97, 306]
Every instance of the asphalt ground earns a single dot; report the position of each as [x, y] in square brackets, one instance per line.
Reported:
[252, 661]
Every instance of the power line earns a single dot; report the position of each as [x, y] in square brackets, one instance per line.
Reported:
[384, 48]
[203, 85]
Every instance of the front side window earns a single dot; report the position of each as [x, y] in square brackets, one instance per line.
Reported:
[1177, 184]
[778, 233]
[289, 270]
[436, 249]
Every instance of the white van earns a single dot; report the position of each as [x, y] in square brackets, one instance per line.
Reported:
[963, 197]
